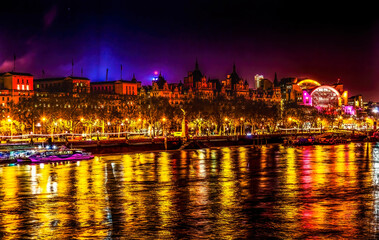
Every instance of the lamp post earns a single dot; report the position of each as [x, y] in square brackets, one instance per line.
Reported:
[11, 123]
[226, 125]
[108, 123]
[39, 125]
[43, 119]
[242, 125]
[140, 124]
[164, 122]
[119, 129]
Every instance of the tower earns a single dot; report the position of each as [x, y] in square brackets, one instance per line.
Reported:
[276, 83]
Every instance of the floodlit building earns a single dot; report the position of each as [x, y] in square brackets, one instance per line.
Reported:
[120, 87]
[13, 86]
[323, 96]
[69, 84]
[234, 85]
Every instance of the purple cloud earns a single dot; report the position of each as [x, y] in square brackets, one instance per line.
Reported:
[50, 16]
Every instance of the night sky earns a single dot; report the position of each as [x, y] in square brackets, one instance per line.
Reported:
[299, 39]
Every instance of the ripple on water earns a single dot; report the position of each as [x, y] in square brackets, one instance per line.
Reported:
[313, 192]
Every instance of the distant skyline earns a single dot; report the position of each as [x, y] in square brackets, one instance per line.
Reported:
[295, 39]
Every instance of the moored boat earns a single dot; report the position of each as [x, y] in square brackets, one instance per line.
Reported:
[62, 154]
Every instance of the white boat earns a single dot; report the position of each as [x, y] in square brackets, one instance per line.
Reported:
[62, 154]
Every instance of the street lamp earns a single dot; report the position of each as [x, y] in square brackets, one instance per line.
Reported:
[226, 125]
[242, 125]
[43, 119]
[164, 121]
[119, 129]
[39, 125]
[11, 123]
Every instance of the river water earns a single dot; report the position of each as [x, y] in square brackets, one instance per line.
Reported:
[276, 192]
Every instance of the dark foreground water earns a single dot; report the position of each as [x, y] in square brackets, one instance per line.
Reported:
[315, 192]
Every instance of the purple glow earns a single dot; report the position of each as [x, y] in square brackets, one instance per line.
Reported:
[349, 110]
[307, 99]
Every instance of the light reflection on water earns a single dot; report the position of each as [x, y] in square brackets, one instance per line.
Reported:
[312, 192]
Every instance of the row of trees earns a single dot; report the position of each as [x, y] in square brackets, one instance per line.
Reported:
[88, 113]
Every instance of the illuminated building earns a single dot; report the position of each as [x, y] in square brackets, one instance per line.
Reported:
[199, 85]
[290, 90]
[193, 78]
[13, 86]
[266, 90]
[175, 92]
[257, 79]
[356, 101]
[120, 87]
[233, 85]
[323, 96]
[195, 84]
[63, 84]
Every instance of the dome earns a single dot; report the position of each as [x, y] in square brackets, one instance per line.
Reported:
[308, 84]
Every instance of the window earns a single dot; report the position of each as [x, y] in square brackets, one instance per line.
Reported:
[18, 86]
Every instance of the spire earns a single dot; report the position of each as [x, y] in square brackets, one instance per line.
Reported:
[134, 78]
[234, 67]
[72, 69]
[196, 65]
[121, 73]
[276, 83]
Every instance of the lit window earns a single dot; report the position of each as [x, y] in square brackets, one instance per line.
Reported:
[23, 87]
[27, 87]
[18, 87]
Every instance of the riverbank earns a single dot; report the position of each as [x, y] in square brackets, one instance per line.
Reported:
[120, 145]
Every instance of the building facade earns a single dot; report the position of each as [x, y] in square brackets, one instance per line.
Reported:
[68, 85]
[13, 86]
[120, 87]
